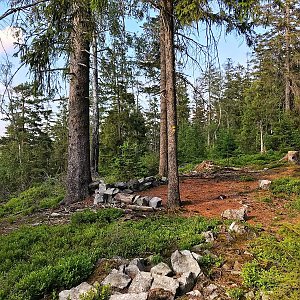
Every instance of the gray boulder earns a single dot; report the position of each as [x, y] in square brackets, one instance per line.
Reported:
[184, 262]
[76, 292]
[264, 184]
[237, 228]
[141, 200]
[166, 283]
[141, 296]
[141, 283]
[132, 270]
[235, 214]
[155, 202]
[161, 269]
[186, 283]
[209, 236]
[117, 279]
[139, 262]
[121, 185]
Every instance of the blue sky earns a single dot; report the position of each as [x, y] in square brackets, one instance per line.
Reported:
[230, 46]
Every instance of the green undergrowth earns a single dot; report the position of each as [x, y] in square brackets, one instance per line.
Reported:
[269, 160]
[276, 264]
[287, 188]
[45, 195]
[40, 260]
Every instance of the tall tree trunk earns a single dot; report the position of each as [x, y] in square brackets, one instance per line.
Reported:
[78, 170]
[96, 115]
[262, 144]
[163, 143]
[287, 59]
[173, 186]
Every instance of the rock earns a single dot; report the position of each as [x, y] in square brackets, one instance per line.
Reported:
[141, 283]
[93, 186]
[76, 292]
[235, 214]
[183, 262]
[197, 256]
[55, 215]
[161, 269]
[195, 293]
[211, 292]
[132, 270]
[124, 198]
[237, 228]
[109, 194]
[133, 184]
[250, 295]
[186, 283]
[160, 294]
[209, 236]
[117, 279]
[145, 186]
[264, 184]
[141, 296]
[150, 179]
[139, 262]
[128, 191]
[164, 180]
[121, 185]
[141, 201]
[155, 202]
[198, 248]
[98, 199]
[166, 283]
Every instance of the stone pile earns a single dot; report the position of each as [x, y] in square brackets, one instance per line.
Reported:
[125, 192]
[136, 281]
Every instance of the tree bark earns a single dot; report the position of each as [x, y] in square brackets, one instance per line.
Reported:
[163, 142]
[287, 62]
[173, 185]
[96, 115]
[78, 170]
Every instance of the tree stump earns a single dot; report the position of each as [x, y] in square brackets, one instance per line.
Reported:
[292, 157]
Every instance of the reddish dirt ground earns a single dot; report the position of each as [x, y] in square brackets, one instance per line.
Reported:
[210, 196]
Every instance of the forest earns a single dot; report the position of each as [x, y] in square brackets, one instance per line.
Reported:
[122, 90]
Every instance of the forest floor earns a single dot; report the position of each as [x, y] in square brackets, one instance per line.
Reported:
[207, 193]
[210, 193]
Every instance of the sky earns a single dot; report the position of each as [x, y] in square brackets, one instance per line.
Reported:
[230, 46]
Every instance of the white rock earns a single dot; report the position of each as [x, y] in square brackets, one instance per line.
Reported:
[76, 292]
[155, 202]
[264, 184]
[237, 228]
[235, 214]
[161, 269]
[195, 293]
[184, 262]
[117, 279]
[141, 296]
[165, 283]
[141, 283]
[209, 236]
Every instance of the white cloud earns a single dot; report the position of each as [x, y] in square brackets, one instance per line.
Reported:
[8, 36]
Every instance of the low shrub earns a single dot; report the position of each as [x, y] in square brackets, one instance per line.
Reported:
[276, 265]
[41, 196]
[37, 261]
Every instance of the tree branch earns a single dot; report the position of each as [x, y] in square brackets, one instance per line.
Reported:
[17, 9]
